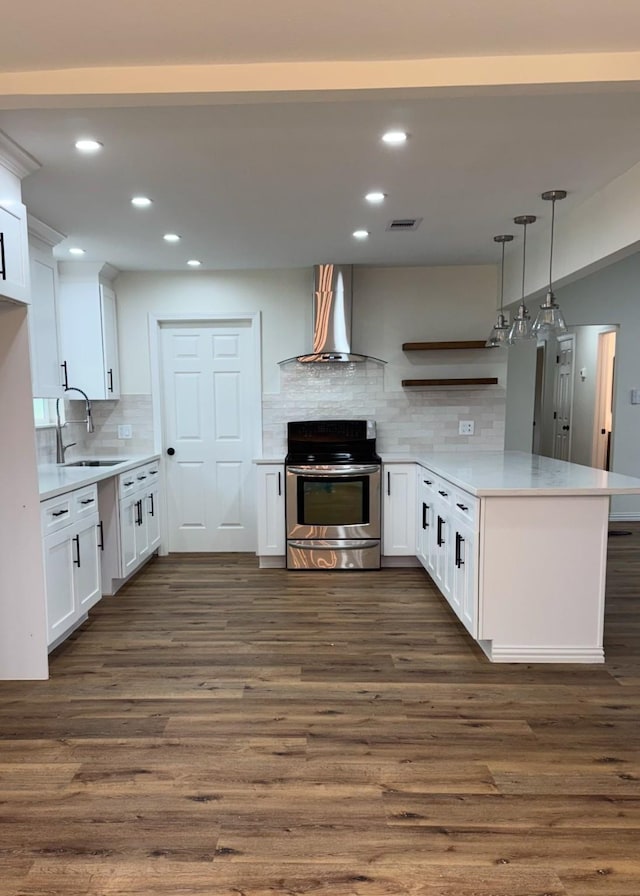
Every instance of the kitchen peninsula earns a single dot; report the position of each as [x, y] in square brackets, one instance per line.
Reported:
[517, 545]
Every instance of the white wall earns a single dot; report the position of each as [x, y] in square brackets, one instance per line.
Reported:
[608, 297]
[391, 306]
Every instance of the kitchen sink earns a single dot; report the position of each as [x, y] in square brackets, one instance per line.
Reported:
[96, 463]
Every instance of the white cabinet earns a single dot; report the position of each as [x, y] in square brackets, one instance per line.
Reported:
[130, 510]
[448, 542]
[46, 373]
[14, 250]
[71, 528]
[271, 519]
[399, 510]
[88, 332]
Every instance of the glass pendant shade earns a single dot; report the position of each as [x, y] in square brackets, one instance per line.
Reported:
[520, 330]
[498, 335]
[549, 319]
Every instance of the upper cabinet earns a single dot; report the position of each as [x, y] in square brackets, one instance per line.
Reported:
[14, 245]
[46, 372]
[88, 329]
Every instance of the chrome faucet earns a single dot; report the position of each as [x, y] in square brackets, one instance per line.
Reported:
[60, 446]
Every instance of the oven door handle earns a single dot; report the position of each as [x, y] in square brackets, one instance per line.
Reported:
[332, 472]
[334, 544]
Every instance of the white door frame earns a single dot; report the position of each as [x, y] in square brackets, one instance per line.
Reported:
[212, 317]
[565, 338]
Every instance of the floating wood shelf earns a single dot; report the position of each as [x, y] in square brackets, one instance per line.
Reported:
[466, 381]
[442, 346]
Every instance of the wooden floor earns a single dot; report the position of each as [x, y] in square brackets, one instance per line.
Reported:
[218, 729]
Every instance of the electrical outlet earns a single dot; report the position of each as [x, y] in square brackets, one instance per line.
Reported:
[125, 431]
[466, 427]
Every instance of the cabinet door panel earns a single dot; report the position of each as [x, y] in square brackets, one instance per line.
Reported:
[128, 526]
[271, 525]
[110, 342]
[58, 569]
[399, 502]
[87, 574]
[14, 273]
[46, 374]
[151, 506]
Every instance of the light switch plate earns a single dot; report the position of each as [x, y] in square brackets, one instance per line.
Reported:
[466, 427]
[125, 431]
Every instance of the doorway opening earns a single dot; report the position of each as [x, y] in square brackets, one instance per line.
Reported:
[603, 417]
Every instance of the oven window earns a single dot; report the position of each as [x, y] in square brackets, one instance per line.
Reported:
[343, 501]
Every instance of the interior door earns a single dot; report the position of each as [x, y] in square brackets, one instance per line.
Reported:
[564, 398]
[210, 381]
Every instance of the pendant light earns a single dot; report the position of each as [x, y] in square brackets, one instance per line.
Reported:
[498, 336]
[549, 319]
[521, 327]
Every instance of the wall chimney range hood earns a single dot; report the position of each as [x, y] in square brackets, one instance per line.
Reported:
[332, 305]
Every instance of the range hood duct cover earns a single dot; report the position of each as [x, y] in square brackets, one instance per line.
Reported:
[332, 310]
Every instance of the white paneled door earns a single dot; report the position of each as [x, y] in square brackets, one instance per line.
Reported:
[211, 388]
[564, 397]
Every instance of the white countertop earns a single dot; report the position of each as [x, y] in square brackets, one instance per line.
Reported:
[55, 479]
[507, 473]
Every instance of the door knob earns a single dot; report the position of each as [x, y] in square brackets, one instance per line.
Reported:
[171, 451]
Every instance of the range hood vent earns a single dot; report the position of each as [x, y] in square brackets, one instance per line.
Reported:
[332, 304]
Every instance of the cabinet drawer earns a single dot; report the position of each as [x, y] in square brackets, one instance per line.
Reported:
[85, 501]
[153, 473]
[465, 506]
[128, 482]
[56, 513]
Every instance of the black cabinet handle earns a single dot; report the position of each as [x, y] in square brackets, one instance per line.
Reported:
[88, 501]
[427, 482]
[279, 484]
[153, 472]
[171, 451]
[462, 506]
[139, 511]
[110, 379]
[65, 378]
[444, 494]
[3, 272]
[459, 560]
[425, 507]
[140, 478]
[76, 538]
[440, 539]
[129, 482]
[388, 483]
[101, 531]
[59, 512]
[152, 508]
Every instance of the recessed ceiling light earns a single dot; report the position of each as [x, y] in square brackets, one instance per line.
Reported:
[86, 145]
[141, 201]
[394, 138]
[75, 250]
[171, 237]
[361, 234]
[194, 263]
[375, 196]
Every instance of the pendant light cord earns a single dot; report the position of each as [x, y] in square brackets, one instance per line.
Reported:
[524, 255]
[502, 277]
[553, 216]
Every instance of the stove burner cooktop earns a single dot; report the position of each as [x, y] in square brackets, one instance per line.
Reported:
[331, 442]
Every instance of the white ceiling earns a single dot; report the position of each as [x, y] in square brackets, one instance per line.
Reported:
[278, 180]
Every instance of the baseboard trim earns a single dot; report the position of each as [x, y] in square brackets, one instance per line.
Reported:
[535, 654]
[624, 517]
[399, 561]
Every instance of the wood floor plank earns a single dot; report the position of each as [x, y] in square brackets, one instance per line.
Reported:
[219, 729]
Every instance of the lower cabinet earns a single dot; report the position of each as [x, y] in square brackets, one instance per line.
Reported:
[447, 543]
[71, 549]
[130, 510]
[271, 517]
[399, 510]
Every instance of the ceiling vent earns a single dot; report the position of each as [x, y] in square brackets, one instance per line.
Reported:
[404, 224]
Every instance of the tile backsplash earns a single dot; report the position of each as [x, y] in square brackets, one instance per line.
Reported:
[408, 420]
[135, 410]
